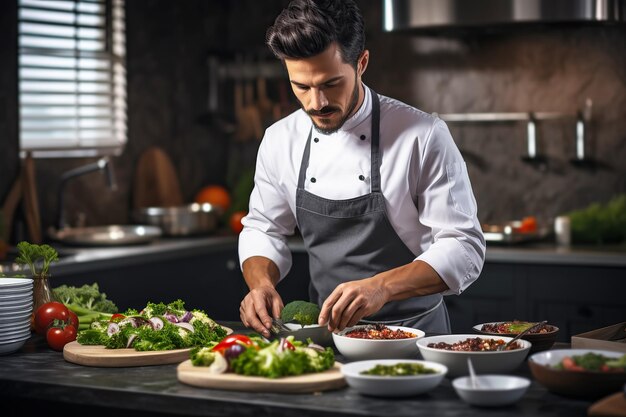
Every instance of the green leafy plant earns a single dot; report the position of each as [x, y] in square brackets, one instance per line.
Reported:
[31, 254]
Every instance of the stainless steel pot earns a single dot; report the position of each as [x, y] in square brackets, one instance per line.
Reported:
[192, 219]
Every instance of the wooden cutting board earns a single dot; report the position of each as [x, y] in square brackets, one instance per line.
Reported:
[308, 383]
[156, 183]
[91, 355]
[612, 406]
[99, 356]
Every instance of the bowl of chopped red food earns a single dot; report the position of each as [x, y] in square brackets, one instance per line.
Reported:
[542, 338]
[453, 350]
[377, 341]
[579, 373]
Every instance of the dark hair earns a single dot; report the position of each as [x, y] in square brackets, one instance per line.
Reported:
[307, 27]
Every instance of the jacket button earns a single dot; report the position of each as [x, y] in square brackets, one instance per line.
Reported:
[313, 180]
[362, 137]
[361, 177]
[316, 140]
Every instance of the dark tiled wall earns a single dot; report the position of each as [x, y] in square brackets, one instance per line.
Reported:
[547, 69]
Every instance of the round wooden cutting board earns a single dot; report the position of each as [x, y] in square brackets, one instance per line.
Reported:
[95, 355]
[323, 381]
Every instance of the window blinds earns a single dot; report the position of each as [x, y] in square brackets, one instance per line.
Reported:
[72, 77]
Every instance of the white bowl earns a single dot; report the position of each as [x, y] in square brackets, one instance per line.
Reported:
[491, 390]
[363, 349]
[585, 384]
[11, 346]
[487, 362]
[392, 386]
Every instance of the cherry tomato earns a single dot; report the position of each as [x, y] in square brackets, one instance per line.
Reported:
[47, 313]
[59, 336]
[116, 318]
[232, 339]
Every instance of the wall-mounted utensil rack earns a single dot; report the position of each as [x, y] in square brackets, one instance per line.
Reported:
[581, 119]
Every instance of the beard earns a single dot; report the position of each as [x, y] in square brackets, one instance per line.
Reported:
[325, 127]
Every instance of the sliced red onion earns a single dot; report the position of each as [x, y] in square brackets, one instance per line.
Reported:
[157, 323]
[131, 339]
[316, 347]
[186, 326]
[281, 345]
[186, 317]
[112, 329]
[171, 317]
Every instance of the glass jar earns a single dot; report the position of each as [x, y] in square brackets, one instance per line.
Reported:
[42, 294]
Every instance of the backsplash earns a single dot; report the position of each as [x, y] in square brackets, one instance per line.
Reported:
[550, 69]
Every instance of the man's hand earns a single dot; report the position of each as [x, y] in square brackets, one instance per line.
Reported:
[258, 307]
[351, 301]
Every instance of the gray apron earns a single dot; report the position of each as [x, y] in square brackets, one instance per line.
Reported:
[353, 239]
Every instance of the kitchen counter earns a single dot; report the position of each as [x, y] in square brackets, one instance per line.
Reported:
[76, 260]
[37, 377]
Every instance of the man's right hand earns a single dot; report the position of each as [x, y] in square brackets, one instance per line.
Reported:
[259, 306]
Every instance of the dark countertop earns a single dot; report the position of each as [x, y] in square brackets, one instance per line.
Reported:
[78, 260]
[37, 376]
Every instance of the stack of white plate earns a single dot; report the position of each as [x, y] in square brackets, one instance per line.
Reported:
[16, 308]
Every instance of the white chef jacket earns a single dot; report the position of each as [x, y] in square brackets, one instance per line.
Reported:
[424, 180]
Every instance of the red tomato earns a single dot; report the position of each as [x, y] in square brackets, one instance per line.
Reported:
[73, 320]
[235, 221]
[47, 313]
[570, 365]
[59, 336]
[232, 339]
[116, 318]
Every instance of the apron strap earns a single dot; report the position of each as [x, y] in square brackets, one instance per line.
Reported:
[305, 161]
[375, 159]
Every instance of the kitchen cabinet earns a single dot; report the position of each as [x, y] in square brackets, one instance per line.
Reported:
[574, 298]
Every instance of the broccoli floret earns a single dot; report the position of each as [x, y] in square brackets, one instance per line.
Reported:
[302, 312]
[87, 296]
[202, 356]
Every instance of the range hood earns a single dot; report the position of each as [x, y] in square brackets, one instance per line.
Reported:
[445, 15]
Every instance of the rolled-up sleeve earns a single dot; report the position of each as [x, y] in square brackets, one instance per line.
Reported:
[270, 218]
[447, 205]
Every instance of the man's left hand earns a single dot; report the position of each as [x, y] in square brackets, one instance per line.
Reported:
[351, 301]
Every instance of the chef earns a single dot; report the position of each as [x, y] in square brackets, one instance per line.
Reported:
[377, 189]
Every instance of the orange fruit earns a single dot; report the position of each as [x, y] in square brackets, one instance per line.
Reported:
[235, 221]
[215, 195]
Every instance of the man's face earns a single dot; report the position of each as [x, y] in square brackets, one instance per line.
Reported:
[328, 89]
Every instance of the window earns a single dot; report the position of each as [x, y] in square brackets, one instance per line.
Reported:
[72, 77]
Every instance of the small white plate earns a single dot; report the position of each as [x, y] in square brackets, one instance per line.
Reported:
[15, 282]
[14, 334]
[14, 317]
[13, 307]
[6, 298]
